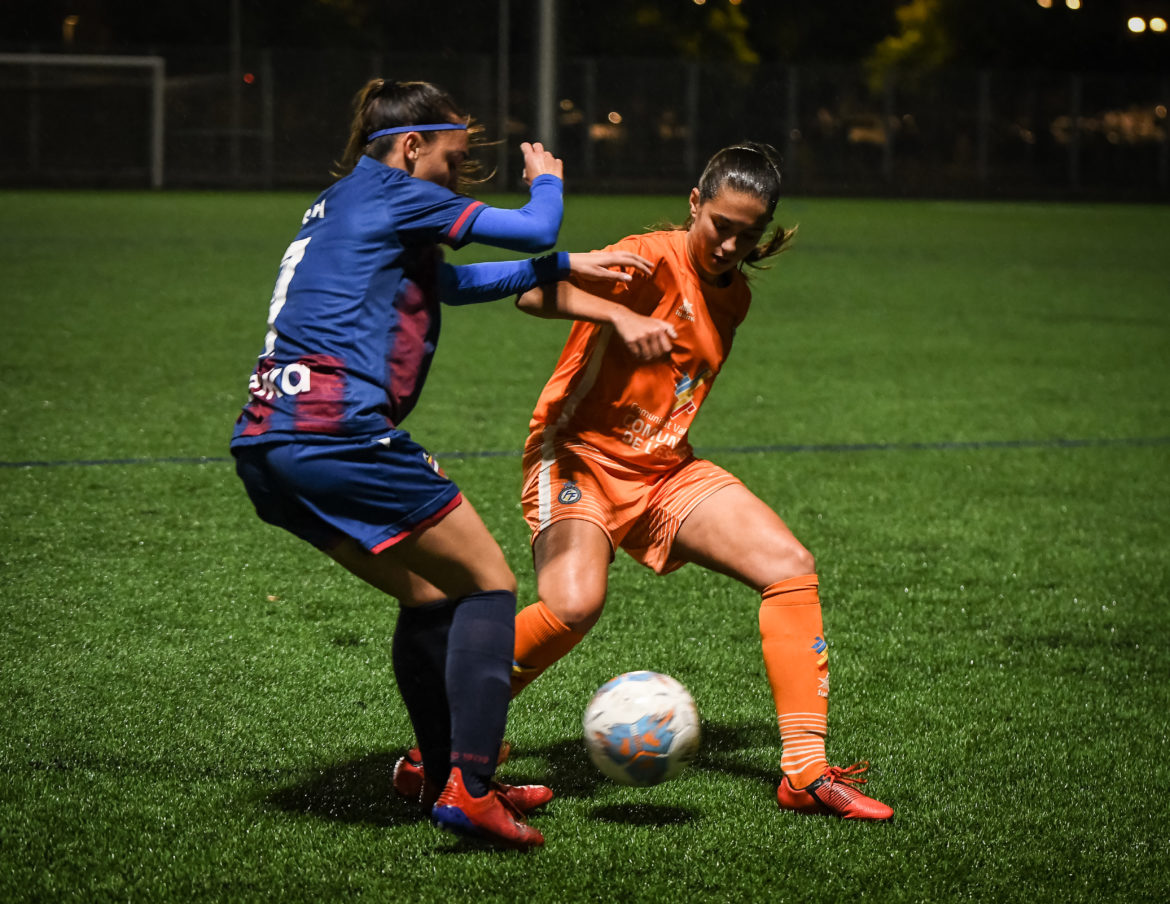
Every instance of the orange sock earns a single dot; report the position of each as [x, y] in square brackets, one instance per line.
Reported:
[797, 662]
[541, 639]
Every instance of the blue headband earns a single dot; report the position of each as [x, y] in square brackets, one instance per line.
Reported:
[435, 127]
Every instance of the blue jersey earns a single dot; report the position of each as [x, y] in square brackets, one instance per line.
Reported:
[354, 317]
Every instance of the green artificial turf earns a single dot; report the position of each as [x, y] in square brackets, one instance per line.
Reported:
[962, 409]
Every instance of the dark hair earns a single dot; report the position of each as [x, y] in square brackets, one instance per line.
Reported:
[752, 168]
[386, 104]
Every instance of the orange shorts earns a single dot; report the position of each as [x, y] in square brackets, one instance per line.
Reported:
[641, 511]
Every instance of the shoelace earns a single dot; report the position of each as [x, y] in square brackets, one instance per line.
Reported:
[516, 813]
[848, 776]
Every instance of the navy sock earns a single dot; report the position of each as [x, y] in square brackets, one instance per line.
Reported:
[419, 654]
[479, 668]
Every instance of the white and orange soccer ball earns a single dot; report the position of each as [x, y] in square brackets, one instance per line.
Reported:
[641, 728]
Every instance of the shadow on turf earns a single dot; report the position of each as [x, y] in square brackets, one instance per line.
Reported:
[359, 791]
[656, 815]
[732, 750]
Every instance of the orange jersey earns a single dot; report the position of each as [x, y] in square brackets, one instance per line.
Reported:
[635, 411]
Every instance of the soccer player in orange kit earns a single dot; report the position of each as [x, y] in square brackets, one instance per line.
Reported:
[608, 463]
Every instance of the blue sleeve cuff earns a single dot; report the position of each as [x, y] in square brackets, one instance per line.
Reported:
[548, 177]
[551, 267]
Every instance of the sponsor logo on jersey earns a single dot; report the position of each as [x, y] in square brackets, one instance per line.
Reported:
[292, 379]
[684, 390]
[685, 311]
[569, 494]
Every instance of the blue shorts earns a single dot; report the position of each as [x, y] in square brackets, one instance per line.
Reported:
[375, 491]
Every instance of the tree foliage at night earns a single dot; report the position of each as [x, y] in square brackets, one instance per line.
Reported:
[903, 36]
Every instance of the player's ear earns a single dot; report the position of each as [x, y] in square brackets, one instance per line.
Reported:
[696, 201]
[411, 145]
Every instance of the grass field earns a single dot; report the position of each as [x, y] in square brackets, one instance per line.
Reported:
[962, 409]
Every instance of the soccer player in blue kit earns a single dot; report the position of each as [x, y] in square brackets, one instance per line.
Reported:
[352, 328]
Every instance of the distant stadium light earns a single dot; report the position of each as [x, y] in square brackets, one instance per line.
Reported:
[700, 2]
[1046, 4]
[1073, 4]
[615, 118]
[1136, 24]
[1158, 24]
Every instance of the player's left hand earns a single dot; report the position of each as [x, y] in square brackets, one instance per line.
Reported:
[602, 264]
[538, 162]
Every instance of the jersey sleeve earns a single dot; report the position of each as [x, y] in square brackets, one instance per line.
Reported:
[488, 281]
[534, 227]
[424, 212]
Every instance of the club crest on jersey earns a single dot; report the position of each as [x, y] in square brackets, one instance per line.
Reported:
[684, 390]
[685, 311]
[569, 494]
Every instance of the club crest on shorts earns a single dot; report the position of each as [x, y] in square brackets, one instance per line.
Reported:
[569, 494]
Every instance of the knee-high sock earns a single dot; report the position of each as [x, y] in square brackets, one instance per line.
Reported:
[541, 639]
[479, 660]
[419, 654]
[797, 662]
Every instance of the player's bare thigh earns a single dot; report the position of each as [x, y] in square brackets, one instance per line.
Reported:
[450, 559]
[572, 571]
[736, 533]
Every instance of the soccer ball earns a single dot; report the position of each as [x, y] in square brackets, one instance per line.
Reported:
[641, 728]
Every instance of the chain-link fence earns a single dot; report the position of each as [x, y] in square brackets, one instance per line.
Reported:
[278, 118]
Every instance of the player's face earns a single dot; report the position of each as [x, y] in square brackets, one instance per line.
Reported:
[439, 160]
[724, 230]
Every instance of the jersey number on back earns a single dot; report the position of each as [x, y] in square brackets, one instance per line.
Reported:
[288, 266]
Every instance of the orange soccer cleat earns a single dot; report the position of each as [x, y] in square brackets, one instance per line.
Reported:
[492, 818]
[834, 794]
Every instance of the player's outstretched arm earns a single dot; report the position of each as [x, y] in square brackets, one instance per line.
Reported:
[474, 283]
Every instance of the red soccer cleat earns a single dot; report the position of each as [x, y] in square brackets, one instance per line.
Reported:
[524, 798]
[410, 781]
[834, 794]
[408, 776]
[492, 817]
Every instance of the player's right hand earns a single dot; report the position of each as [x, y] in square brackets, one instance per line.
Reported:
[602, 265]
[646, 338]
[538, 162]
